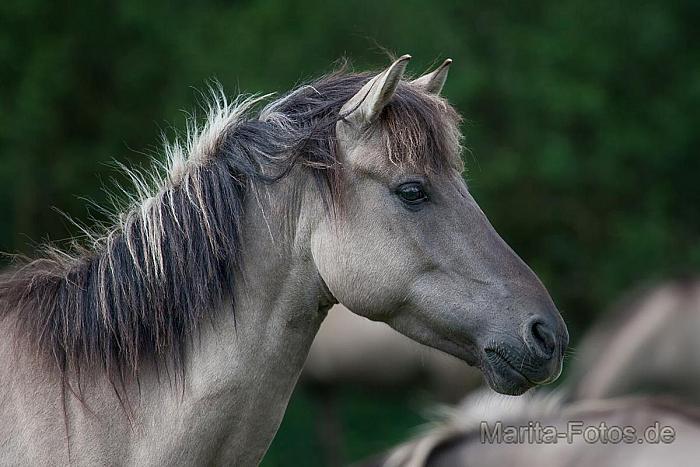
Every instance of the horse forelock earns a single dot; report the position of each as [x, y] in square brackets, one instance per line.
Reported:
[139, 288]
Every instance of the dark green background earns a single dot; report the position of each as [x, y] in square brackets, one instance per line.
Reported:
[581, 125]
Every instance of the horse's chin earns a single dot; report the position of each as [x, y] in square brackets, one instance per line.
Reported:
[505, 379]
[509, 387]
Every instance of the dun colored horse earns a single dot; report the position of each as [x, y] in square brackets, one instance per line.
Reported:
[176, 336]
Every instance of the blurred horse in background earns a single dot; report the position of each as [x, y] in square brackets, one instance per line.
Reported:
[639, 432]
[352, 351]
[648, 344]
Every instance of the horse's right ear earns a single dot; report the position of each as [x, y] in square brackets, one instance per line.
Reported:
[365, 106]
[433, 82]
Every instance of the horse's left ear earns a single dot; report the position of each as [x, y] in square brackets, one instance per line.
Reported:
[433, 82]
[364, 107]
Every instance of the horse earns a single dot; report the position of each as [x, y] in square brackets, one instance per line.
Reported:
[350, 350]
[175, 334]
[647, 344]
[492, 430]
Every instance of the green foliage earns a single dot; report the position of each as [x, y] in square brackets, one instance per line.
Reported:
[365, 424]
[581, 115]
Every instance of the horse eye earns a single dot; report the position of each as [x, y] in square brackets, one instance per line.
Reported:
[411, 193]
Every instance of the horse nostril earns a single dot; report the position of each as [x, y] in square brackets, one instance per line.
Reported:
[541, 339]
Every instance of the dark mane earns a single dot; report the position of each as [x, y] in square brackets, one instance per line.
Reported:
[141, 288]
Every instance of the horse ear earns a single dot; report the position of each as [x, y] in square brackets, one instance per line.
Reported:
[433, 82]
[365, 106]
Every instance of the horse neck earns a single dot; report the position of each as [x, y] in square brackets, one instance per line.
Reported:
[242, 371]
